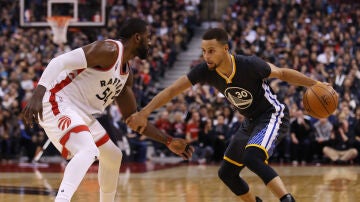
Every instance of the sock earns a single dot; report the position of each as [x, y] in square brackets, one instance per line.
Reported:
[65, 196]
[74, 173]
[61, 200]
[287, 198]
[107, 197]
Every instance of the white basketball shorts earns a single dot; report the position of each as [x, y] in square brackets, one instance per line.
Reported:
[62, 119]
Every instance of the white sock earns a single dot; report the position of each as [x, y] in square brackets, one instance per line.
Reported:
[61, 200]
[74, 173]
[78, 165]
[63, 196]
[107, 197]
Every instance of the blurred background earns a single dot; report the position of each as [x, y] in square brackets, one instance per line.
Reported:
[320, 38]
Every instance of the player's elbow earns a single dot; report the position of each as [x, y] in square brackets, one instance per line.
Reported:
[56, 62]
[282, 74]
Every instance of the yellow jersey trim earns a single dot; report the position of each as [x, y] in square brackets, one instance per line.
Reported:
[229, 80]
[262, 148]
[233, 162]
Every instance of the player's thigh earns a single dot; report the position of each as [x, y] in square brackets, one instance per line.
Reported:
[99, 134]
[268, 131]
[58, 126]
[108, 150]
[234, 152]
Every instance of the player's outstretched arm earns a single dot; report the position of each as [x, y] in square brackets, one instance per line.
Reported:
[127, 104]
[99, 54]
[138, 120]
[291, 76]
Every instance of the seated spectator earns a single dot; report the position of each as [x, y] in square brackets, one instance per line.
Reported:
[340, 150]
[323, 132]
[192, 129]
[162, 123]
[204, 150]
[178, 126]
[356, 131]
[221, 137]
[138, 146]
[300, 131]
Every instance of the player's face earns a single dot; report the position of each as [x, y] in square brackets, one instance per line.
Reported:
[214, 53]
[143, 48]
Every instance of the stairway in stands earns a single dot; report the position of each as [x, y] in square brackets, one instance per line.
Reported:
[184, 60]
[182, 65]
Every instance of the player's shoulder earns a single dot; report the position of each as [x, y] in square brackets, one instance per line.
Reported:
[102, 47]
[198, 73]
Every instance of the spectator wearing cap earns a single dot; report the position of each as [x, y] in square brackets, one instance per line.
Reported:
[327, 57]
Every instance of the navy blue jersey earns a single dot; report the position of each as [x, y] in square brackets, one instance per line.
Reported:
[246, 88]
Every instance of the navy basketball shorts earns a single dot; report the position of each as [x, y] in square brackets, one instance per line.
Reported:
[264, 132]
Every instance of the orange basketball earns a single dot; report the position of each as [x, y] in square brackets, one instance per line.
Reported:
[320, 100]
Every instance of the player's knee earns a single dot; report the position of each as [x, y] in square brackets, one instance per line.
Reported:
[111, 154]
[223, 174]
[226, 172]
[117, 155]
[93, 152]
[253, 156]
[90, 151]
[229, 174]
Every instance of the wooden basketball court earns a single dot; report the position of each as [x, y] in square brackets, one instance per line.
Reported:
[152, 182]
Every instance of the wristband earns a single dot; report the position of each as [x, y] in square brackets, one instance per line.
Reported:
[168, 141]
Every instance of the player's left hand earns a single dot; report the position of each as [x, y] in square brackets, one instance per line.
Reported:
[181, 148]
[137, 122]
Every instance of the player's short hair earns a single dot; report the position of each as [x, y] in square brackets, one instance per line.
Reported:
[216, 33]
[131, 27]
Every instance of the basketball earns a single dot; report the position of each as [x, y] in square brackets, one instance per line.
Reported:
[320, 100]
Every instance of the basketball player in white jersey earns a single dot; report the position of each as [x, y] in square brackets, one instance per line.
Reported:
[81, 83]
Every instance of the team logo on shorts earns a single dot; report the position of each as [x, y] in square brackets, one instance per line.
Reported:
[239, 97]
[64, 122]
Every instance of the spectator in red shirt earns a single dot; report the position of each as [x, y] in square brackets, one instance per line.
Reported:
[192, 128]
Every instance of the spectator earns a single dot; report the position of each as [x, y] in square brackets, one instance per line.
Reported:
[356, 130]
[193, 128]
[138, 145]
[340, 150]
[221, 137]
[323, 133]
[204, 150]
[162, 123]
[301, 130]
[178, 126]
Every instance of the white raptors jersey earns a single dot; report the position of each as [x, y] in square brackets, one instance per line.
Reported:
[90, 89]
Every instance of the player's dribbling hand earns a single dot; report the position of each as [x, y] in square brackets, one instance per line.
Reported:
[137, 122]
[181, 148]
[33, 110]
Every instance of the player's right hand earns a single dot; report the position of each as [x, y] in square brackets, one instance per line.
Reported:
[33, 110]
[137, 122]
[181, 148]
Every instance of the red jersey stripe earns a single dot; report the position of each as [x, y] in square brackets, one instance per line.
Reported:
[57, 88]
[102, 140]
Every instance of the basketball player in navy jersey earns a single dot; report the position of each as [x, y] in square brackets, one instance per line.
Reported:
[243, 81]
